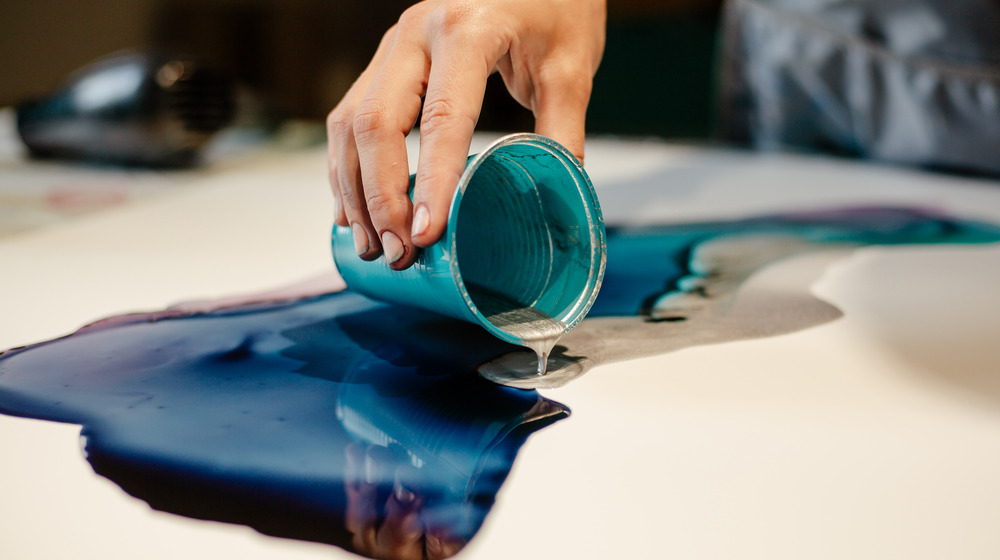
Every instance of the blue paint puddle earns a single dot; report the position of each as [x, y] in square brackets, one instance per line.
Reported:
[340, 420]
[647, 262]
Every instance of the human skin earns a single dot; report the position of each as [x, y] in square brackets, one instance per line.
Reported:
[434, 63]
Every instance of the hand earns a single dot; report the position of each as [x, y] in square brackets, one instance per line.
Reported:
[397, 531]
[440, 54]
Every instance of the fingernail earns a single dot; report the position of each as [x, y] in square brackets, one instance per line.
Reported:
[336, 208]
[433, 544]
[404, 495]
[421, 219]
[392, 247]
[360, 238]
[371, 470]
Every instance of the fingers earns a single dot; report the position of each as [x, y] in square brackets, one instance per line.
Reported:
[381, 124]
[561, 113]
[455, 90]
[440, 545]
[361, 515]
[401, 535]
[366, 241]
[344, 168]
[335, 134]
[339, 217]
[546, 61]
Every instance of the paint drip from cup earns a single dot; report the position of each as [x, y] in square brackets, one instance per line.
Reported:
[523, 254]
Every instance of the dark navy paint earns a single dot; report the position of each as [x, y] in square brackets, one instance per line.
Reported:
[326, 417]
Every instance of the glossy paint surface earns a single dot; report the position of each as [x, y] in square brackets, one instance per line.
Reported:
[323, 418]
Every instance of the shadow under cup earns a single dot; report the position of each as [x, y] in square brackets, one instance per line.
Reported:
[525, 242]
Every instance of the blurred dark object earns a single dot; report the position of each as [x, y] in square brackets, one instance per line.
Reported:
[131, 108]
[301, 56]
[914, 82]
[297, 58]
[657, 77]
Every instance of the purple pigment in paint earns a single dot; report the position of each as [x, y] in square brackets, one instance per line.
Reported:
[324, 417]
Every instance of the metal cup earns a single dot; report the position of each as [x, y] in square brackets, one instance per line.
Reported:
[525, 231]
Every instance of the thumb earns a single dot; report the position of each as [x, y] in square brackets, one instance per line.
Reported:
[561, 112]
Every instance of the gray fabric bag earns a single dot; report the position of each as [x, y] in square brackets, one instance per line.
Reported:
[915, 82]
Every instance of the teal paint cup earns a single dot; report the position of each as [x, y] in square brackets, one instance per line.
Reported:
[525, 232]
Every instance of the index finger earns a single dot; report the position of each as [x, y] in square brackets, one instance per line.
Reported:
[455, 88]
[361, 515]
[381, 124]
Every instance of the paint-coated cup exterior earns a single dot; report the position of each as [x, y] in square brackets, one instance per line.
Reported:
[524, 230]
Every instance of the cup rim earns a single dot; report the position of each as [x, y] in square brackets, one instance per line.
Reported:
[595, 221]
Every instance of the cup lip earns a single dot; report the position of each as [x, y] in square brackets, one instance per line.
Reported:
[595, 220]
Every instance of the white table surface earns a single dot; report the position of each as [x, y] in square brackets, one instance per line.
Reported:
[876, 435]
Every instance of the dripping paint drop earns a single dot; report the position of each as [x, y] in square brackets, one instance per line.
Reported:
[331, 416]
[536, 330]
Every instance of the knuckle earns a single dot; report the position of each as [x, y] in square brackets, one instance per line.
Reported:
[389, 34]
[351, 202]
[370, 118]
[338, 124]
[568, 86]
[434, 184]
[440, 114]
[412, 19]
[436, 111]
[387, 39]
[454, 16]
[568, 76]
[381, 205]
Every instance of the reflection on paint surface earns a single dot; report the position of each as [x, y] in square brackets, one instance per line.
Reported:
[336, 419]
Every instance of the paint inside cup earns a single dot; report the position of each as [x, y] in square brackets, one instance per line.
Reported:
[523, 254]
[529, 242]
